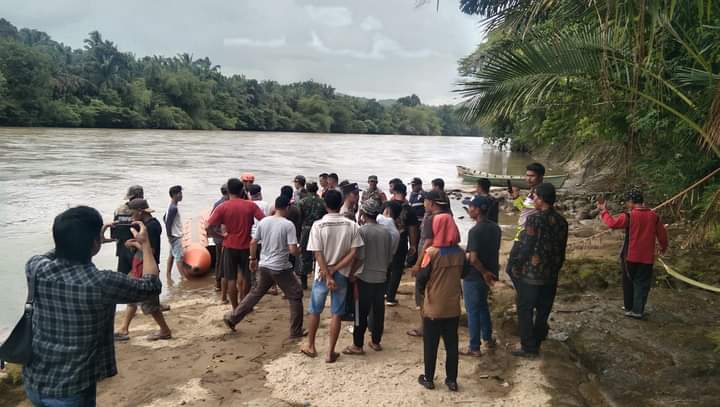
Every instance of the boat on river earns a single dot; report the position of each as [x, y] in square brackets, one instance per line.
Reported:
[471, 175]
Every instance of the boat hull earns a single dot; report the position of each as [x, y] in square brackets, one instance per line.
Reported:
[470, 175]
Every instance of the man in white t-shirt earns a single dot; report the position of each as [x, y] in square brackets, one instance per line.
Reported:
[279, 241]
[335, 240]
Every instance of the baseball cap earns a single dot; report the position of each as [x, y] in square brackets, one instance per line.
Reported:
[350, 187]
[140, 204]
[135, 191]
[481, 202]
[416, 181]
[373, 178]
[438, 197]
[299, 178]
[371, 207]
[254, 189]
[247, 176]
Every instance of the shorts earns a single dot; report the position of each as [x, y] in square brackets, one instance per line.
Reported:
[237, 261]
[151, 305]
[320, 291]
[176, 248]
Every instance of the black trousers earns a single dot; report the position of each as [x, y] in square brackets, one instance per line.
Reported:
[534, 303]
[637, 280]
[433, 330]
[372, 300]
[394, 275]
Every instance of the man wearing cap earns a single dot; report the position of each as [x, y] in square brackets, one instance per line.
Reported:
[312, 208]
[141, 212]
[642, 227]
[217, 233]
[174, 230]
[482, 253]
[417, 198]
[373, 192]
[299, 191]
[123, 214]
[247, 178]
[350, 194]
[369, 272]
[536, 262]
[279, 241]
[482, 188]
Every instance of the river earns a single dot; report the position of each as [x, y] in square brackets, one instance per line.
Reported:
[44, 171]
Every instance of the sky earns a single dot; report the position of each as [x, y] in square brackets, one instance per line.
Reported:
[372, 48]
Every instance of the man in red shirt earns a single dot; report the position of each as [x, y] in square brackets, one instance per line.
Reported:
[642, 226]
[238, 215]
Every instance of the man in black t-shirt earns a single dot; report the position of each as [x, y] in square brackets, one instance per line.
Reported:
[483, 189]
[141, 212]
[483, 266]
[409, 237]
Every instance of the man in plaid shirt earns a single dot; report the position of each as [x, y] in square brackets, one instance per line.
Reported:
[74, 307]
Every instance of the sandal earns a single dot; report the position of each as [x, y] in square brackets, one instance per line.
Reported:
[376, 347]
[414, 332]
[121, 337]
[351, 350]
[308, 352]
[157, 336]
[333, 358]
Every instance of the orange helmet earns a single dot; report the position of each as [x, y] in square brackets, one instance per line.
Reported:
[247, 177]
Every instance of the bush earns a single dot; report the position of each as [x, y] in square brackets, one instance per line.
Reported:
[170, 117]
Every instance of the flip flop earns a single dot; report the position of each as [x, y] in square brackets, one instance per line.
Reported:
[308, 353]
[376, 347]
[157, 336]
[333, 358]
[121, 337]
[229, 324]
[415, 333]
[351, 351]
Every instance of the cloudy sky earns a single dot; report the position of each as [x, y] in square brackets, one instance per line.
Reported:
[373, 48]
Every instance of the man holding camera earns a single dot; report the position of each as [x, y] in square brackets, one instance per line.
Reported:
[123, 215]
[141, 212]
[74, 308]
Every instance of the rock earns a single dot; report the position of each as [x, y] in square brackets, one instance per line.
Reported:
[583, 214]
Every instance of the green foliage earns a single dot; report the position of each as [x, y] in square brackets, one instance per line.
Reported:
[43, 82]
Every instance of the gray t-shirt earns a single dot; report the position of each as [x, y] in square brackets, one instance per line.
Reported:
[376, 254]
[275, 233]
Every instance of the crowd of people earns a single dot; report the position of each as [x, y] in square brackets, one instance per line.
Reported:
[329, 238]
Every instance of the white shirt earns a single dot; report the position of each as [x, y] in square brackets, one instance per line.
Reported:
[334, 236]
[265, 208]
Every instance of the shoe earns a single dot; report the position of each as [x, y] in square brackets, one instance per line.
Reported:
[391, 303]
[634, 315]
[524, 354]
[428, 384]
[452, 386]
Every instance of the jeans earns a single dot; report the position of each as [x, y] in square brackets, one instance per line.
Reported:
[371, 301]
[537, 301]
[320, 291]
[433, 330]
[85, 398]
[636, 286]
[289, 285]
[475, 293]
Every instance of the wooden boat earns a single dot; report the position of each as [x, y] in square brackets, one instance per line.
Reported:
[196, 256]
[470, 175]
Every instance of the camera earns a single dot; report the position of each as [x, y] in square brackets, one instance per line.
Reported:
[120, 231]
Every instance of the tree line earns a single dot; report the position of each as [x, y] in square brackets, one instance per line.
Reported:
[46, 83]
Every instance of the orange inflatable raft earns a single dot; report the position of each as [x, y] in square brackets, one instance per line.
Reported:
[195, 241]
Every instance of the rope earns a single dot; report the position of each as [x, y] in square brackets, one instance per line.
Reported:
[688, 280]
[667, 202]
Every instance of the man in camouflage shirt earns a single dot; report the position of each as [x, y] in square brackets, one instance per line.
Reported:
[312, 208]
